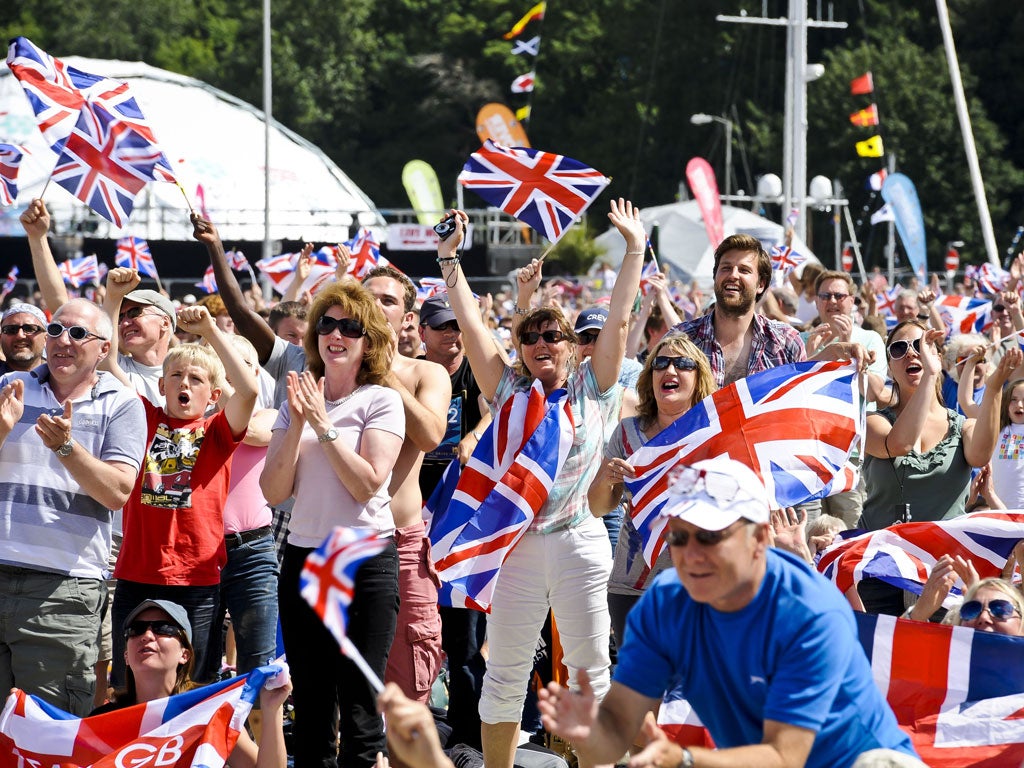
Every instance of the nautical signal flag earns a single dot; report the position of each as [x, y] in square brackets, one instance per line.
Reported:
[877, 179]
[529, 47]
[535, 13]
[523, 113]
[865, 117]
[862, 85]
[871, 147]
[524, 83]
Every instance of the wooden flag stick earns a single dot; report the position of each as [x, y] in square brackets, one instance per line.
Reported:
[550, 248]
[188, 202]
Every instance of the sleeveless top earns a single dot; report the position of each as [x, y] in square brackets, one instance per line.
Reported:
[935, 483]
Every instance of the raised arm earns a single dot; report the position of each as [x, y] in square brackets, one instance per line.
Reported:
[36, 221]
[302, 269]
[484, 359]
[247, 322]
[239, 407]
[120, 282]
[982, 434]
[610, 347]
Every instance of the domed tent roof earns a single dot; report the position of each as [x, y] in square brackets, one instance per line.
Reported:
[215, 143]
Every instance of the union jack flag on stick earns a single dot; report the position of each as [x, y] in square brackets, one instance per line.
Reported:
[785, 259]
[10, 283]
[328, 584]
[105, 163]
[78, 272]
[903, 555]
[547, 191]
[502, 487]
[10, 161]
[209, 281]
[134, 253]
[794, 425]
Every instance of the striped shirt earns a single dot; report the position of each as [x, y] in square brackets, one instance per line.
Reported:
[47, 522]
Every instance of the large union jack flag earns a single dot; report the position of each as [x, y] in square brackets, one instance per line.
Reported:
[502, 487]
[105, 163]
[542, 189]
[198, 727]
[988, 278]
[794, 425]
[903, 555]
[133, 252]
[10, 161]
[958, 693]
[78, 272]
[328, 580]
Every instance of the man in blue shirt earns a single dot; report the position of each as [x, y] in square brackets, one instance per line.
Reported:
[764, 649]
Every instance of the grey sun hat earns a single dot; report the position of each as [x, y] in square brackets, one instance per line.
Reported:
[153, 299]
[175, 611]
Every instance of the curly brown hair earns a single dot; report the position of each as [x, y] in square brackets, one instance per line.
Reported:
[677, 343]
[359, 304]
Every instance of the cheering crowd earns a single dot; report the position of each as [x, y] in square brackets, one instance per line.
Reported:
[166, 466]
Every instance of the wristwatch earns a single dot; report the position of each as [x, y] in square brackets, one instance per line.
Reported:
[687, 761]
[329, 436]
[65, 450]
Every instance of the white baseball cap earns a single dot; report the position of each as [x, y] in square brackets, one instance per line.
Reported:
[714, 493]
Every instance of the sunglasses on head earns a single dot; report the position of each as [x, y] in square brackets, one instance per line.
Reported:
[347, 327]
[75, 332]
[704, 538]
[587, 337]
[550, 337]
[160, 628]
[999, 610]
[717, 485]
[898, 349]
[680, 363]
[27, 328]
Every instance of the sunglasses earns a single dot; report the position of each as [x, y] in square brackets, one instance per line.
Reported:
[133, 314]
[831, 296]
[451, 325]
[27, 328]
[704, 538]
[75, 332]
[159, 627]
[998, 307]
[719, 486]
[587, 337]
[681, 363]
[550, 337]
[347, 327]
[898, 349]
[999, 610]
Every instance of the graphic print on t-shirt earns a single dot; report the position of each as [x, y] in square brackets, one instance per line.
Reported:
[171, 457]
[1011, 446]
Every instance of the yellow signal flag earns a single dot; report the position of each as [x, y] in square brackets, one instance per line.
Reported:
[871, 147]
[537, 12]
[523, 113]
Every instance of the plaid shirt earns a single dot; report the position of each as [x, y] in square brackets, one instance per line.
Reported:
[774, 344]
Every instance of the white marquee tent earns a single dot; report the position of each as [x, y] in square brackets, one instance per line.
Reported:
[215, 142]
[683, 244]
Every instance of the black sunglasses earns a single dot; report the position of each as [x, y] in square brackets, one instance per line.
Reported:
[704, 538]
[681, 363]
[898, 349]
[587, 337]
[133, 313]
[27, 328]
[347, 327]
[550, 337]
[76, 332]
[836, 296]
[160, 627]
[1000, 610]
[451, 325]
[998, 307]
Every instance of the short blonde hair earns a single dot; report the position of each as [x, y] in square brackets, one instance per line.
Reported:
[200, 356]
[1001, 585]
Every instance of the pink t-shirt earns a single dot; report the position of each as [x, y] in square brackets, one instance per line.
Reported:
[321, 499]
[245, 507]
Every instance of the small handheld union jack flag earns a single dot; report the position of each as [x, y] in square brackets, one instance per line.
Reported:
[133, 252]
[78, 272]
[236, 260]
[545, 190]
[10, 160]
[209, 282]
[10, 283]
[328, 584]
[785, 259]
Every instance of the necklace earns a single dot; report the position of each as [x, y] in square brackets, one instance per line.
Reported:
[349, 396]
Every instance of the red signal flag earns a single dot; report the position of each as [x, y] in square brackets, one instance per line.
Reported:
[862, 85]
[865, 117]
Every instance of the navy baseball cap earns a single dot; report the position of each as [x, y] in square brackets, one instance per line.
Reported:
[591, 319]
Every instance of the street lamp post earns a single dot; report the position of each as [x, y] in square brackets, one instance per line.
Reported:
[701, 119]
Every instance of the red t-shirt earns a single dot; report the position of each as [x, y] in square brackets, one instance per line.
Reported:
[174, 520]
